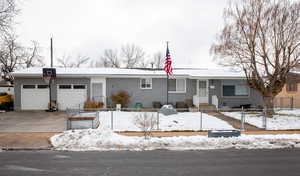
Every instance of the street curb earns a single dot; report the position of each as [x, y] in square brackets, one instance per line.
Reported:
[25, 149]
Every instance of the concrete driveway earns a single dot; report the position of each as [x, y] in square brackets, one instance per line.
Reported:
[32, 121]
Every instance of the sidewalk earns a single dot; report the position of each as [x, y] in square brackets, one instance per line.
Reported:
[205, 133]
[40, 141]
[25, 141]
[234, 122]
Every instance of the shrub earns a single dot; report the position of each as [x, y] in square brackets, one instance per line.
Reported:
[146, 122]
[121, 97]
[90, 104]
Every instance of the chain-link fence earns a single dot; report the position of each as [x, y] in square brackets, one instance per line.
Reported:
[191, 119]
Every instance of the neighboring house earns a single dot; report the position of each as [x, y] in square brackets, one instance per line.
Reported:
[289, 97]
[75, 85]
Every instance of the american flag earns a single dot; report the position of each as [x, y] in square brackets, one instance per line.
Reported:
[168, 63]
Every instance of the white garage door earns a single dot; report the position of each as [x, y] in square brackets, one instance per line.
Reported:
[34, 97]
[71, 96]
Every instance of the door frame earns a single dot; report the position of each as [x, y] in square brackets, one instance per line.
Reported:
[99, 80]
[207, 90]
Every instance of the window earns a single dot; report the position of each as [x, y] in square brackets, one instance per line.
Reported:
[235, 88]
[146, 83]
[291, 87]
[28, 86]
[78, 86]
[42, 86]
[65, 86]
[177, 85]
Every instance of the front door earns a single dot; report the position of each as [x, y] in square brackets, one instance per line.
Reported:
[97, 92]
[202, 91]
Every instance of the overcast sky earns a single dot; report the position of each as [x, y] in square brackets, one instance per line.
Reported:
[90, 26]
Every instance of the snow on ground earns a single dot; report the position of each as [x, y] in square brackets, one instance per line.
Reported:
[104, 139]
[295, 112]
[284, 121]
[124, 121]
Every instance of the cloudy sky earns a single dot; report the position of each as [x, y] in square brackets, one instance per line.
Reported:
[90, 26]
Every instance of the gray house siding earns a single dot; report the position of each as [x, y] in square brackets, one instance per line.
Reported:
[147, 96]
[254, 97]
[18, 82]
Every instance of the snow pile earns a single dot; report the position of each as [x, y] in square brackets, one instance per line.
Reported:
[104, 139]
[124, 121]
[277, 122]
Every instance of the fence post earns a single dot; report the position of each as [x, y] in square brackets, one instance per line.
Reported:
[201, 120]
[157, 120]
[292, 103]
[264, 119]
[242, 119]
[112, 120]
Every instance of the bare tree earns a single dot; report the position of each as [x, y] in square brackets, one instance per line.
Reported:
[158, 60]
[64, 61]
[32, 57]
[67, 61]
[8, 11]
[13, 56]
[133, 56]
[109, 59]
[262, 38]
[146, 122]
[80, 60]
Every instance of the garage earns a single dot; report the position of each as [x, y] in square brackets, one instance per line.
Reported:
[34, 97]
[71, 95]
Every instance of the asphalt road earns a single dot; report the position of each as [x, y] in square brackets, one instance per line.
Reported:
[157, 163]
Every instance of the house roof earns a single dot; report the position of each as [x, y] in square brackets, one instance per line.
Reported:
[120, 72]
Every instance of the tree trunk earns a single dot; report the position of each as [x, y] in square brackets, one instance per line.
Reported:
[269, 105]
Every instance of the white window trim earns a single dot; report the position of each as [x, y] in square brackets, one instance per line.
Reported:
[145, 87]
[177, 84]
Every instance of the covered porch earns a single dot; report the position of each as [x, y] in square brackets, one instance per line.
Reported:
[202, 96]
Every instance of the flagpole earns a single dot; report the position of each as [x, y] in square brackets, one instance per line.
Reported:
[167, 89]
[167, 81]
